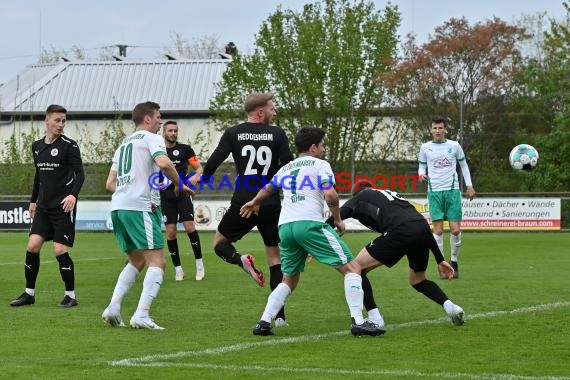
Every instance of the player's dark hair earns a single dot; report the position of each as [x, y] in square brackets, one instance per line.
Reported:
[307, 136]
[169, 122]
[361, 185]
[439, 120]
[53, 108]
[144, 109]
[256, 100]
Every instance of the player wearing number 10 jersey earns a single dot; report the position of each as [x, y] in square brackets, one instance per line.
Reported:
[136, 219]
[258, 150]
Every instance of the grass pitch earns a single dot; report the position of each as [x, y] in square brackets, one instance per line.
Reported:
[513, 288]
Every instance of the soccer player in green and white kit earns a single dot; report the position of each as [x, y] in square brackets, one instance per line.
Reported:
[136, 215]
[307, 182]
[440, 157]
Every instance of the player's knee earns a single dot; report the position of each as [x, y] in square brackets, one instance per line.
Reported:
[420, 286]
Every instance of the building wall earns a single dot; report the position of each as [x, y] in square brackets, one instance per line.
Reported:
[195, 132]
[390, 141]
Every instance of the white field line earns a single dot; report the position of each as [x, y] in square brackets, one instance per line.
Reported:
[158, 360]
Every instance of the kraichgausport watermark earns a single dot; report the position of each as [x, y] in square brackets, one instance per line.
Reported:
[344, 181]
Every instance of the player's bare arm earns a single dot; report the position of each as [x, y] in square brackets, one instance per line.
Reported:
[111, 184]
[331, 197]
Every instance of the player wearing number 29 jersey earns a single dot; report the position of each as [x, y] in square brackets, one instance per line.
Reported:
[259, 150]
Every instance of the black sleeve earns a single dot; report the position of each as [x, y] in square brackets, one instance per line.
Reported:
[35, 188]
[221, 152]
[191, 152]
[345, 213]
[77, 165]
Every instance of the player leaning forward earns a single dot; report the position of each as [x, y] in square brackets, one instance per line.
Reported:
[135, 213]
[440, 156]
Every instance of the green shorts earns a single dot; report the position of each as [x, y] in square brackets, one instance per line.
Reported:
[137, 229]
[445, 205]
[300, 238]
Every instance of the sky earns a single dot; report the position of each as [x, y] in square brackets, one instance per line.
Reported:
[30, 25]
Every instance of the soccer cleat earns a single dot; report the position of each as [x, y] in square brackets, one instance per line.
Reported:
[67, 302]
[24, 299]
[144, 323]
[455, 268]
[280, 322]
[113, 319]
[249, 268]
[263, 328]
[378, 322]
[200, 274]
[456, 315]
[180, 276]
[366, 328]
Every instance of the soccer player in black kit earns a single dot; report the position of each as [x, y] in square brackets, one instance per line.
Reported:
[404, 232]
[179, 208]
[53, 205]
[259, 150]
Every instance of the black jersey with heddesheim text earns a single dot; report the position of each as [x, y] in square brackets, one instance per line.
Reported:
[258, 150]
[59, 171]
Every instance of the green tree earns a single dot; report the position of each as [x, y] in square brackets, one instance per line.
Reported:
[463, 72]
[320, 64]
[17, 162]
[542, 104]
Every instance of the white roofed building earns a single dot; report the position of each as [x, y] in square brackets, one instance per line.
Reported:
[97, 93]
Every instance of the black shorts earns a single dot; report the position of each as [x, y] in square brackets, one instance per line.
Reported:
[411, 239]
[234, 227]
[177, 209]
[55, 224]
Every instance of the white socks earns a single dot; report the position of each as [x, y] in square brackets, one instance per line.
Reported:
[354, 296]
[275, 302]
[448, 307]
[199, 264]
[125, 281]
[70, 293]
[439, 241]
[455, 242]
[151, 286]
[375, 316]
